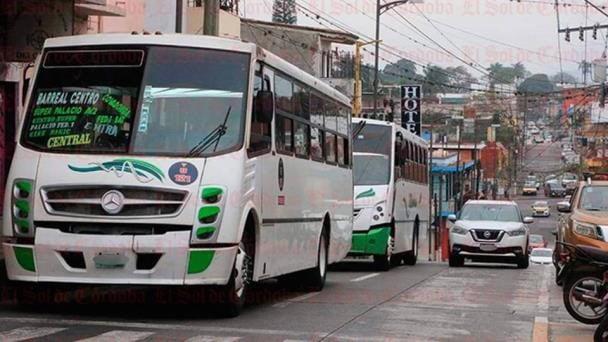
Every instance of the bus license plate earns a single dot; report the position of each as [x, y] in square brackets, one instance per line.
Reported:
[488, 247]
[110, 261]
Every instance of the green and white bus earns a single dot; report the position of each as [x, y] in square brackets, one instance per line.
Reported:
[391, 205]
[177, 160]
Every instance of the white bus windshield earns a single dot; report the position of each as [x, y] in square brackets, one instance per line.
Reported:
[371, 169]
[172, 101]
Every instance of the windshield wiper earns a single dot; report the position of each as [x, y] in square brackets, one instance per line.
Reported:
[357, 129]
[212, 138]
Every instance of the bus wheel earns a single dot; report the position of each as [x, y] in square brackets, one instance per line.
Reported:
[384, 262]
[314, 279]
[235, 291]
[411, 257]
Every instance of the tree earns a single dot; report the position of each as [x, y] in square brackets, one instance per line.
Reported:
[435, 79]
[284, 11]
[401, 72]
[460, 78]
[563, 77]
[500, 74]
[538, 83]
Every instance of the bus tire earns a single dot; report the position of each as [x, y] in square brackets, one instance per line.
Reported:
[385, 261]
[234, 293]
[411, 257]
[314, 279]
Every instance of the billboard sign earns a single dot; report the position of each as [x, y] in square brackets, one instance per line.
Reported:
[410, 108]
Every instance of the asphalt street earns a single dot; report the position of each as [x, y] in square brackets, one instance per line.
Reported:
[426, 302]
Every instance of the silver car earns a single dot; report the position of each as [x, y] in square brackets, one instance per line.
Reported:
[492, 231]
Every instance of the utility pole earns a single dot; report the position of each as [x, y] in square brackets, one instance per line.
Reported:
[381, 9]
[211, 23]
[460, 187]
[431, 188]
[357, 105]
[179, 16]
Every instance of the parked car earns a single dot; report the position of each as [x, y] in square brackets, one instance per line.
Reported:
[568, 178]
[536, 241]
[538, 139]
[554, 190]
[541, 256]
[489, 231]
[529, 189]
[586, 219]
[541, 208]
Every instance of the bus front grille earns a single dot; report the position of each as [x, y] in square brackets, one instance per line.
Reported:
[137, 202]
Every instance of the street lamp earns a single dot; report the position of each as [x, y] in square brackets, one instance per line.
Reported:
[381, 9]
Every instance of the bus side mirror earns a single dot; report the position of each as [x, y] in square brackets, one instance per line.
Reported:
[263, 106]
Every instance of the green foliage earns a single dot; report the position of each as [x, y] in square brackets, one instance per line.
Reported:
[284, 11]
[401, 72]
[563, 77]
[435, 77]
[538, 83]
[500, 74]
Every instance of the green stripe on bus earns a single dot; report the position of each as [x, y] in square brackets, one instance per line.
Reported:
[372, 242]
[368, 193]
[199, 261]
[25, 258]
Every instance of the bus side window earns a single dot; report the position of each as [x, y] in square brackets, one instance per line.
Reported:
[398, 161]
[260, 140]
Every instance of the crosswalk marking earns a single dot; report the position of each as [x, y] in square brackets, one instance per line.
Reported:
[27, 333]
[203, 338]
[119, 335]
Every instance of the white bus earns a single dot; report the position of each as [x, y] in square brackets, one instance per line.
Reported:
[177, 160]
[391, 198]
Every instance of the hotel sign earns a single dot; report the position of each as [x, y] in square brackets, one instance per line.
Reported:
[410, 108]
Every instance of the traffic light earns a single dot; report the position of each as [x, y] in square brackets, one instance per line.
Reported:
[595, 31]
[581, 34]
[567, 35]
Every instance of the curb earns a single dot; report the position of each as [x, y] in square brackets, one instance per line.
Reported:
[540, 332]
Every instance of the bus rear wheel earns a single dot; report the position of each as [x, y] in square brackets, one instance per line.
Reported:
[411, 257]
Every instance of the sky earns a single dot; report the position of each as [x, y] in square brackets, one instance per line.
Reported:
[508, 31]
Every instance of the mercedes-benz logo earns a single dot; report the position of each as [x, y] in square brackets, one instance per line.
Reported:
[112, 202]
[487, 234]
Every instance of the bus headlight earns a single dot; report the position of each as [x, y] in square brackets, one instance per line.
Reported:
[22, 203]
[209, 214]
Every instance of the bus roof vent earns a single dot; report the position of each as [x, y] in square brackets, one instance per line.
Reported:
[134, 33]
[158, 33]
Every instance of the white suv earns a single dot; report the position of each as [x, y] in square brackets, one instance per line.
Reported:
[489, 231]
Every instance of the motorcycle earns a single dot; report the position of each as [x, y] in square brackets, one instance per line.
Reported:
[582, 273]
[601, 332]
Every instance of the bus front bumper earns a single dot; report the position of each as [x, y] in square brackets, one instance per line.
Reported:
[106, 259]
[372, 242]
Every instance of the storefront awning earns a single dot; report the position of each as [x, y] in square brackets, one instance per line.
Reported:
[440, 169]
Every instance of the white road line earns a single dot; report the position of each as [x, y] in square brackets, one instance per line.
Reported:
[119, 335]
[203, 338]
[365, 277]
[543, 298]
[27, 333]
[162, 326]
